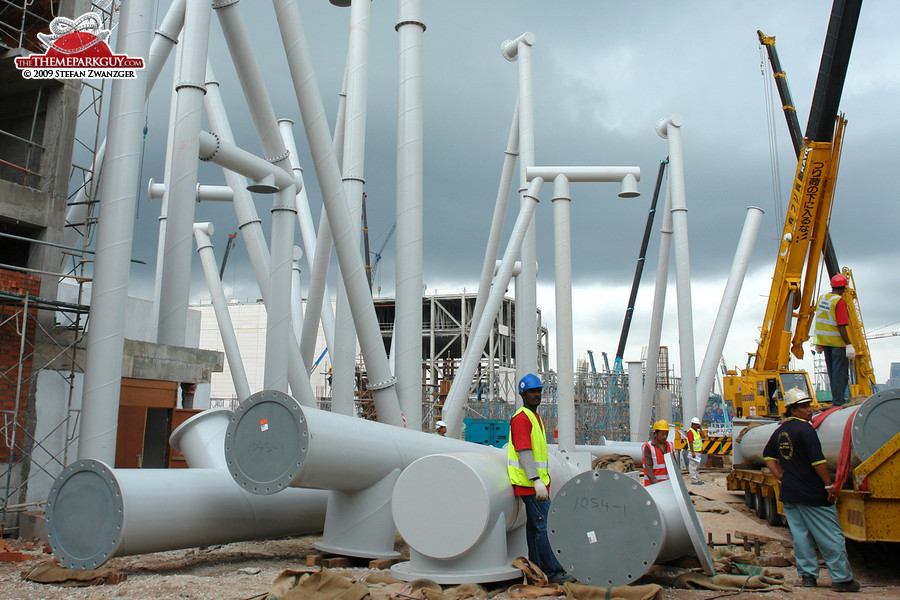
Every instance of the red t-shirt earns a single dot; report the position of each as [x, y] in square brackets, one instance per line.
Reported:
[840, 313]
[520, 438]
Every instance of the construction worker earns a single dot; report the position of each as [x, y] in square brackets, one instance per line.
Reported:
[653, 451]
[441, 428]
[694, 437]
[530, 477]
[794, 456]
[830, 337]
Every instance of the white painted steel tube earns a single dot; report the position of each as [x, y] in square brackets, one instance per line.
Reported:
[175, 289]
[747, 241]
[106, 336]
[251, 230]
[458, 395]
[266, 178]
[407, 338]
[342, 226]
[205, 192]
[565, 363]
[656, 318]
[308, 233]
[201, 439]
[671, 129]
[296, 293]
[489, 266]
[635, 393]
[584, 174]
[202, 231]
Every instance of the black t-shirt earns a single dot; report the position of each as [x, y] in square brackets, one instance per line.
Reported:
[795, 445]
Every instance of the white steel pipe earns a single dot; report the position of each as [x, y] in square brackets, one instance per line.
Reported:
[308, 233]
[671, 129]
[202, 231]
[645, 406]
[488, 268]
[407, 338]
[635, 392]
[458, 394]
[586, 174]
[106, 336]
[266, 178]
[747, 241]
[565, 363]
[205, 193]
[251, 230]
[175, 288]
[95, 512]
[296, 293]
[343, 228]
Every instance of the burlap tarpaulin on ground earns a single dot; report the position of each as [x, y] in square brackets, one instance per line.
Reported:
[50, 572]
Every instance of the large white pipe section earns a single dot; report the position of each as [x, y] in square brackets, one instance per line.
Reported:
[644, 408]
[308, 233]
[205, 192]
[407, 338]
[565, 363]
[296, 293]
[707, 374]
[488, 268]
[106, 335]
[625, 176]
[635, 392]
[202, 231]
[455, 403]
[671, 129]
[95, 512]
[343, 228]
[265, 177]
[250, 226]
[519, 50]
[278, 308]
[175, 289]
[343, 354]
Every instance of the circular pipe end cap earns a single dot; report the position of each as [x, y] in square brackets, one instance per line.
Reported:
[266, 442]
[85, 515]
[590, 516]
[876, 421]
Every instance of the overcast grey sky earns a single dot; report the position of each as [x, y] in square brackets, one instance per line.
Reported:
[604, 73]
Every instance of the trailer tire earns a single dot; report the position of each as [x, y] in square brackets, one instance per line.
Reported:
[760, 505]
[772, 516]
[749, 499]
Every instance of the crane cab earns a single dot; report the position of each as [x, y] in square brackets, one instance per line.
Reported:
[760, 394]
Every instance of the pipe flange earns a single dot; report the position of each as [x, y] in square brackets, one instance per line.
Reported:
[167, 35]
[217, 4]
[383, 385]
[354, 178]
[280, 157]
[190, 84]
[876, 421]
[215, 150]
[409, 22]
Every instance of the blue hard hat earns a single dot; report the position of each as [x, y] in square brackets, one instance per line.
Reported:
[530, 382]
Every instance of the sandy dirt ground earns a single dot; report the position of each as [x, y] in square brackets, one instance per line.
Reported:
[245, 570]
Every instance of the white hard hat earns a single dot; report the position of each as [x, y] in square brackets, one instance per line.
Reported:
[795, 396]
[695, 420]
[440, 424]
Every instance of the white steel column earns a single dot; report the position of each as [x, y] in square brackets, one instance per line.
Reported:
[109, 295]
[175, 289]
[726, 307]
[342, 226]
[671, 129]
[202, 231]
[644, 407]
[526, 284]
[635, 387]
[458, 395]
[565, 364]
[296, 293]
[407, 336]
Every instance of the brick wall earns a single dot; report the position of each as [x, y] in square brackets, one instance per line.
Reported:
[11, 319]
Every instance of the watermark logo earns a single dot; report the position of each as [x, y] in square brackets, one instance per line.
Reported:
[77, 49]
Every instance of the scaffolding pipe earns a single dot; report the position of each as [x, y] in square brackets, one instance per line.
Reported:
[639, 431]
[129, 511]
[407, 338]
[202, 231]
[342, 225]
[670, 129]
[458, 394]
[175, 288]
[106, 336]
[273, 443]
[747, 241]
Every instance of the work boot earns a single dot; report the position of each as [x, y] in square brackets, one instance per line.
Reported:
[561, 578]
[851, 585]
[808, 581]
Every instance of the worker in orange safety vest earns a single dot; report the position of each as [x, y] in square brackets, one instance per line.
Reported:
[653, 451]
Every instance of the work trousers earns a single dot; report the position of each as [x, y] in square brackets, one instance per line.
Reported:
[694, 467]
[539, 551]
[838, 372]
[813, 526]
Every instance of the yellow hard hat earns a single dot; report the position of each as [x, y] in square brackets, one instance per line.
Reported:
[661, 425]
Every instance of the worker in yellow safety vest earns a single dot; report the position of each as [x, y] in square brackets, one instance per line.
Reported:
[830, 337]
[653, 453]
[527, 463]
[694, 438]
